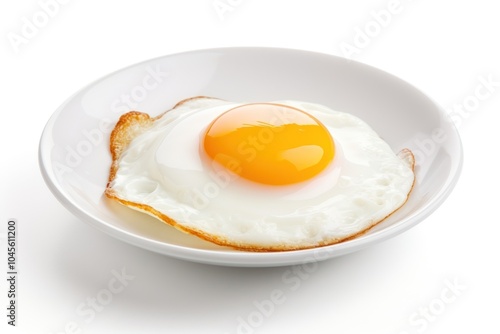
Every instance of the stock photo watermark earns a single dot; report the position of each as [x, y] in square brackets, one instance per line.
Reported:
[223, 7]
[427, 314]
[12, 237]
[94, 137]
[486, 87]
[366, 33]
[32, 25]
[130, 100]
[291, 280]
[88, 309]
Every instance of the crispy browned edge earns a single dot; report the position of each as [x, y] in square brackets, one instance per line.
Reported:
[133, 123]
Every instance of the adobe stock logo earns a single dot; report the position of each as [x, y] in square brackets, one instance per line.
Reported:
[222, 7]
[91, 138]
[32, 25]
[292, 280]
[421, 319]
[486, 88]
[364, 34]
[94, 305]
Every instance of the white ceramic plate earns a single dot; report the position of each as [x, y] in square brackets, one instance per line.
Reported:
[74, 156]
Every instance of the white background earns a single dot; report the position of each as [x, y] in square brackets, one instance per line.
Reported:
[441, 47]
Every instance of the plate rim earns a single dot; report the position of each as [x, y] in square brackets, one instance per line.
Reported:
[245, 258]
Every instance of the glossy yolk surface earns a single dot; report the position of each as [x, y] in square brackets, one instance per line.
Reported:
[269, 143]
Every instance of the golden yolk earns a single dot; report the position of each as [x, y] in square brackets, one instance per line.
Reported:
[269, 143]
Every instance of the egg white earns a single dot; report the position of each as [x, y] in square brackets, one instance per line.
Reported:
[165, 168]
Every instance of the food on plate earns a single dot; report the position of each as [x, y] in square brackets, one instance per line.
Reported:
[273, 176]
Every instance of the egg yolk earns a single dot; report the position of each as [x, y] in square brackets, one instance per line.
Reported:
[269, 143]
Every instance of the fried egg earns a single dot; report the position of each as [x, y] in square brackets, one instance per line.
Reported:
[273, 176]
